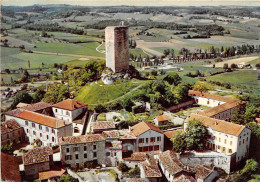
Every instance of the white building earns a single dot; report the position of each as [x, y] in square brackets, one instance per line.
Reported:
[69, 109]
[39, 126]
[77, 151]
[225, 137]
[148, 137]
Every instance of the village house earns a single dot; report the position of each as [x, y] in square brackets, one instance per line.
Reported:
[99, 126]
[77, 151]
[205, 173]
[225, 137]
[45, 128]
[9, 168]
[135, 159]
[113, 152]
[69, 109]
[11, 131]
[52, 175]
[148, 137]
[37, 160]
[161, 120]
[149, 169]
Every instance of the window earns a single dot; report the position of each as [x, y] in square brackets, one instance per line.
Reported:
[147, 140]
[53, 139]
[158, 139]
[85, 156]
[94, 147]
[67, 113]
[239, 143]
[76, 149]
[56, 110]
[40, 134]
[67, 157]
[27, 131]
[40, 127]
[218, 146]
[208, 102]
[33, 125]
[229, 150]
[152, 139]
[141, 140]
[34, 133]
[67, 150]
[77, 156]
[47, 136]
[247, 139]
[108, 154]
[47, 129]
[26, 123]
[94, 154]
[53, 131]
[243, 141]
[85, 148]
[230, 142]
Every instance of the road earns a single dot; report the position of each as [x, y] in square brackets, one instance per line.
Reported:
[97, 49]
[71, 55]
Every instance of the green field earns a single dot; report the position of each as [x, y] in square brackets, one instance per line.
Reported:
[100, 93]
[137, 52]
[88, 49]
[161, 49]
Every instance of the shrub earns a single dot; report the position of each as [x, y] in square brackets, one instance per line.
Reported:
[123, 167]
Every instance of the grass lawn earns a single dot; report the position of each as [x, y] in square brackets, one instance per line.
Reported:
[88, 49]
[161, 49]
[254, 62]
[137, 52]
[99, 93]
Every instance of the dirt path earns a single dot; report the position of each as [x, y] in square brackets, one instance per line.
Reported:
[97, 48]
[234, 61]
[71, 55]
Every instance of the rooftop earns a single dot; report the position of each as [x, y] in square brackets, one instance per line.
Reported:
[257, 120]
[70, 104]
[202, 172]
[142, 127]
[10, 168]
[98, 125]
[151, 168]
[162, 118]
[138, 180]
[81, 139]
[170, 162]
[221, 108]
[21, 104]
[37, 155]
[9, 126]
[184, 178]
[210, 96]
[31, 107]
[137, 156]
[43, 119]
[119, 134]
[170, 134]
[218, 125]
[52, 173]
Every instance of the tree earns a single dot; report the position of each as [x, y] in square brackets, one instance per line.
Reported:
[179, 144]
[38, 96]
[200, 86]
[134, 172]
[225, 66]
[21, 97]
[127, 103]
[233, 66]
[67, 178]
[172, 78]
[250, 167]
[8, 148]
[180, 92]
[123, 167]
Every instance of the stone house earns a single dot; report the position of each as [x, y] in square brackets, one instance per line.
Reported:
[99, 126]
[148, 137]
[161, 120]
[205, 174]
[149, 169]
[224, 137]
[113, 152]
[45, 128]
[37, 160]
[77, 151]
[135, 159]
[11, 131]
[69, 109]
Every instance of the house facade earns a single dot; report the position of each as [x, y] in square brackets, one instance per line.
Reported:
[69, 109]
[225, 137]
[148, 137]
[11, 131]
[77, 151]
[37, 160]
[161, 120]
[45, 128]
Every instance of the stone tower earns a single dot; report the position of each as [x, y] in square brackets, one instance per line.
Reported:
[117, 56]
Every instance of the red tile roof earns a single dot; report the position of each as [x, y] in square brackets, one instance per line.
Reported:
[162, 118]
[202, 172]
[221, 108]
[258, 120]
[151, 168]
[170, 162]
[70, 104]
[32, 107]
[218, 125]
[9, 126]
[137, 156]
[37, 155]
[43, 119]
[21, 104]
[142, 127]
[210, 96]
[99, 125]
[10, 168]
[52, 173]
[81, 139]
[138, 180]
[119, 134]
[184, 178]
[170, 134]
